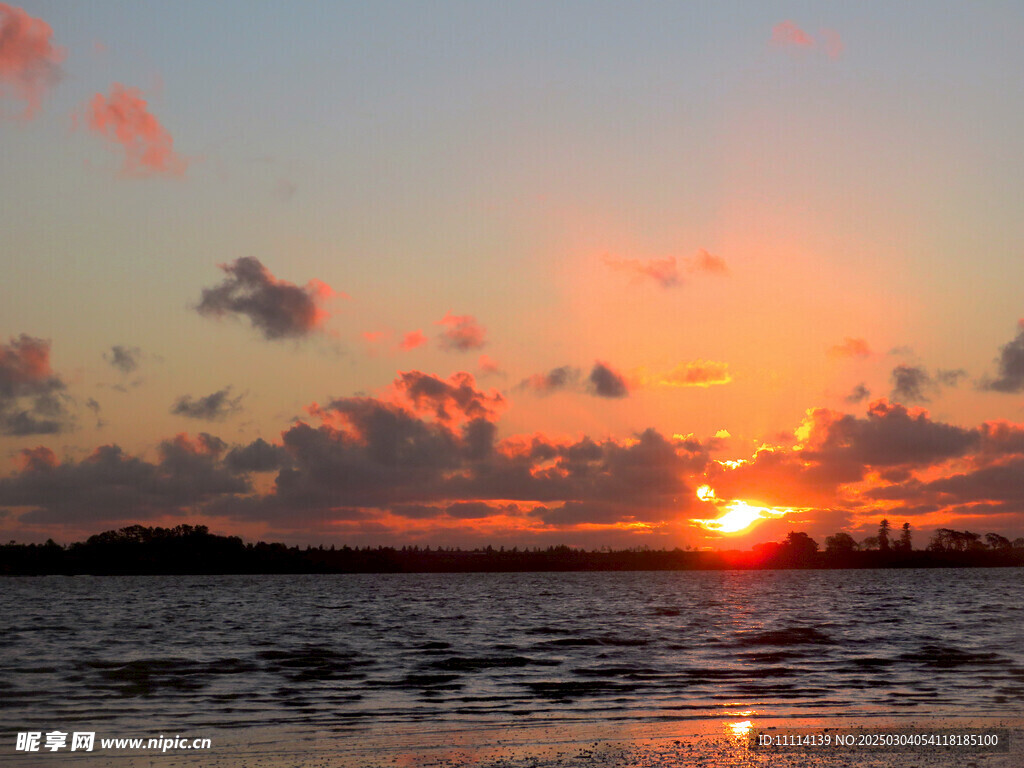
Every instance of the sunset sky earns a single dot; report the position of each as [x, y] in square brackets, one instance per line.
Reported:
[460, 273]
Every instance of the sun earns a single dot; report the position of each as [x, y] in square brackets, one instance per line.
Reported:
[737, 515]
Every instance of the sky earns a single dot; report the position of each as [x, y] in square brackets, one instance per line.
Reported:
[528, 274]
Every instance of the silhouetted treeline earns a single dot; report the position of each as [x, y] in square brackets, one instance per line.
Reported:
[188, 549]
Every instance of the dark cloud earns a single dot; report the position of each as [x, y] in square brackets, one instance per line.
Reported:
[1010, 364]
[125, 359]
[838, 449]
[578, 512]
[910, 384]
[891, 435]
[950, 378]
[276, 308]
[110, 485]
[462, 333]
[32, 399]
[213, 407]
[417, 511]
[257, 456]
[603, 381]
[563, 377]
[606, 382]
[913, 384]
[94, 406]
[858, 394]
[433, 449]
[455, 399]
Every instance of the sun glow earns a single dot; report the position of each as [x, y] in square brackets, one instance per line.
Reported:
[741, 729]
[737, 515]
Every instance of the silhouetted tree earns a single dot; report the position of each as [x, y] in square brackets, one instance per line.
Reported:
[995, 541]
[883, 536]
[904, 543]
[840, 544]
[871, 542]
[948, 540]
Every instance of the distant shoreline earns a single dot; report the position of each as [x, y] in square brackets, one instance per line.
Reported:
[192, 550]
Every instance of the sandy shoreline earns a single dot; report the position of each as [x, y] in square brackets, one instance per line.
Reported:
[710, 743]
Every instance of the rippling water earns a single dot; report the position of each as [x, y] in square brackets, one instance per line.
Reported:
[479, 649]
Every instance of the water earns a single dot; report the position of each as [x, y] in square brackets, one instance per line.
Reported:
[476, 650]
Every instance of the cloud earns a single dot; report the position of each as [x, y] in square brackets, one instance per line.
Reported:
[858, 394]
[833, 43]
[697, 373]
[563, 377]
[124, 118]
[705, 262]
[838, 451]
[276, 308]
[462, 333]
[850, 347]
[488, 366]
[257, 456]
[606, 382]
[29, 63]
[910, 384]
[662, 271]
[125, 359]
[214, 407]
[94, 406]
[787, 34]
[412, 339]
[603, 381]
[1010, 365]
[32, 400]
[449, 401]
[110, 485]
[665, 272]
[431, 449]
[914, 383]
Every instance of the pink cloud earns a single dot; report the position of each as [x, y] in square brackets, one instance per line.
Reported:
[124, 118]
[705, 262]
[487, 365]
[462, 333]
[412, 339]
[788, 34]
[833, 43]
[29, 63]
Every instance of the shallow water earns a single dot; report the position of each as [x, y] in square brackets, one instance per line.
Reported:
[475, 650]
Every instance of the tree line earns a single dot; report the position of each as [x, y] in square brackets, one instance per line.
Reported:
[192, 549]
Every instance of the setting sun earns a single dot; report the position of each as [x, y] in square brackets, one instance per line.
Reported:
[738, 515]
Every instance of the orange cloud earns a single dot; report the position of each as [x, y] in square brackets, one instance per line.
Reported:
[851, 347]
[788, 34]
[124, 118]
[29, 63]
[699, 373]
[412, 340]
